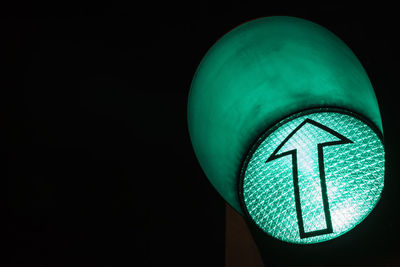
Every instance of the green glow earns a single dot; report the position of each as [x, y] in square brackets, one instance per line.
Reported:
[354, 174]
[259, 73]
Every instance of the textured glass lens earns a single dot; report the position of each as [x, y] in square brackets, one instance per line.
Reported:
[314, 177]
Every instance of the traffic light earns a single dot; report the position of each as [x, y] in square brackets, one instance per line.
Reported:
[286, 126]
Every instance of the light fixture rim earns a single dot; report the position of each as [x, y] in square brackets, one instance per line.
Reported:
[278, 123]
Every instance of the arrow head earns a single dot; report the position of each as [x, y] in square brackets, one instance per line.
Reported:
[313, 133]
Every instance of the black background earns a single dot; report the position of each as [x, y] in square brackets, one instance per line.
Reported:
[100, 167]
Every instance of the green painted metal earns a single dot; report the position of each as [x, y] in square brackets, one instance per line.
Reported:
[257, 74]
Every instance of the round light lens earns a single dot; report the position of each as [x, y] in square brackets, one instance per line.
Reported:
[313, 176]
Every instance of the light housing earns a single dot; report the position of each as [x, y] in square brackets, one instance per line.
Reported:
[257, 75]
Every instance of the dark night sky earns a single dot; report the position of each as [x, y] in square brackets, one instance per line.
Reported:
[100, 167]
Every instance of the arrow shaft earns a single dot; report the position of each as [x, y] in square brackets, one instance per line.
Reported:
[319, 194]
[324, 191]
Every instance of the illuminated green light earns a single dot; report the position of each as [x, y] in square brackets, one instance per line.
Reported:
[314, 176]
[260, 72]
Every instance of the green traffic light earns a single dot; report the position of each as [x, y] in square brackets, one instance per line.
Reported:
[261, 72]
[313, 176]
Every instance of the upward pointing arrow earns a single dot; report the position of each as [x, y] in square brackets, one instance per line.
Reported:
[308, 150]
